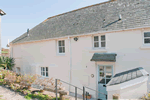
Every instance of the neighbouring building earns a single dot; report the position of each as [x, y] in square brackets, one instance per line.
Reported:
[87, 46]
[5, 52]
[1, 14]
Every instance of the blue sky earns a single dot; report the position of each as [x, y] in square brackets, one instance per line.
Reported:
[23, 14]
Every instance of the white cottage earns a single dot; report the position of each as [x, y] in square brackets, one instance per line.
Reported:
[87, 46]
[131, 84]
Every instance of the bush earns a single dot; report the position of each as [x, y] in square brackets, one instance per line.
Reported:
[38, 96]
[7, 63]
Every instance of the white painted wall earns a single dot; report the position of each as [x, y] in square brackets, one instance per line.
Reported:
[132, 89]
[125, 44]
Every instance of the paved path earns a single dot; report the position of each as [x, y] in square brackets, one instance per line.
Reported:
[10, 95]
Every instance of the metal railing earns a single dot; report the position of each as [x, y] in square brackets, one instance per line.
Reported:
[85, 93]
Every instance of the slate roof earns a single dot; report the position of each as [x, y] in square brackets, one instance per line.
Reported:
[127, 76]
[99, 17]
[111, 57]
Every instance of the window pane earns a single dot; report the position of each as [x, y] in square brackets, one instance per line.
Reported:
[103, 38]
[46, 68]
[107, 80]
[101, 68]
[102, 44]
[63, 49]
[60, 49]
[46, 73]
[43, 73]
[43, 69]
[101, 74]
[59, 43]
[129, 76]
[96, 38]
[102, 80]
[62, 43]
[96, 44]
[108, 69]
[147, 34]
[108, 75]
[146, 40]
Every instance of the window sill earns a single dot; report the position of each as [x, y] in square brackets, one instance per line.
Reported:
[43, 77]
[145, 47]
[98, 50]
[60, 54]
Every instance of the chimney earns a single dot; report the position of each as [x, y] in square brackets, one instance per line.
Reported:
[7, 44]
[27, 32]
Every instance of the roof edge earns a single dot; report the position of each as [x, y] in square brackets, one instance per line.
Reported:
[79, 9]
[92, 33]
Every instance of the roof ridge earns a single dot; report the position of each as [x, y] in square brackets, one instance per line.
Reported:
[79, 9]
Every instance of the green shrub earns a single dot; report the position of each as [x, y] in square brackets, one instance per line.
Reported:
[38, 96]
[1, 80]
[18, 90]
[28, 97]
[7, 63]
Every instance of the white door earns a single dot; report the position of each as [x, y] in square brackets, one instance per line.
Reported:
[105, 73]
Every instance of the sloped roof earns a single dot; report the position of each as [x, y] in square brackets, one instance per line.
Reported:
[111, 57]
[127, 76]
[99, 17]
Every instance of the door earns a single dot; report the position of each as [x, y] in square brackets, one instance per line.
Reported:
[105, 74]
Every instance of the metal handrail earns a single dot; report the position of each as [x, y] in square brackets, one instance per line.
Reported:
[84, 92]
[70, 84]
[95, 90]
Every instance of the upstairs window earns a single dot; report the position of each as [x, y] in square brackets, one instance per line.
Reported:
[44, 71]
[99, 41]
[147, 38]
[61, 46]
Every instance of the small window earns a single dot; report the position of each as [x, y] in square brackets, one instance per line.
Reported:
[147, 38]
[44, 71]
[99, 41]
[61, 46]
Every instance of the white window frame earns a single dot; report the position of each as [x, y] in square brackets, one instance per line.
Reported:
[99, 41]
[145, 38]
[60, 46]
[44, 71]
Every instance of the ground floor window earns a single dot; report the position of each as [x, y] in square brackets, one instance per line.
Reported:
[44, 71]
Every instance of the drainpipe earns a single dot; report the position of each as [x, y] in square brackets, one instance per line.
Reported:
[70, 63]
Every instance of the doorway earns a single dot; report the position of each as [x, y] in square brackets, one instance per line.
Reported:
[105, 73]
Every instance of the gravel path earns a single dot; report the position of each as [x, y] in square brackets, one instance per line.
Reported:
[10, 95]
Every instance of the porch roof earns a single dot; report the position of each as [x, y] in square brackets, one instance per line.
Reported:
[128, 75]
[104, 57]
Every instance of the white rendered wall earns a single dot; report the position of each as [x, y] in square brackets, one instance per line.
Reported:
[126, 44]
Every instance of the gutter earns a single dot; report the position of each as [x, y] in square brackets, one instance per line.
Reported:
[70, 63]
